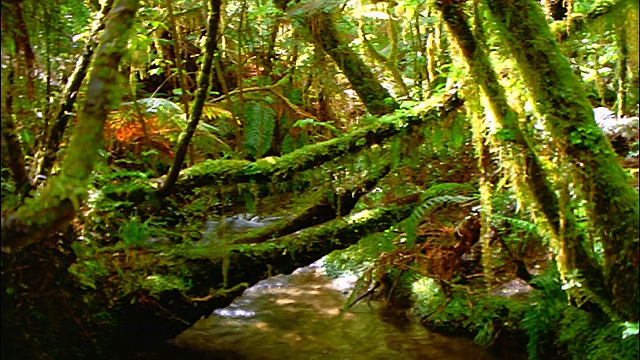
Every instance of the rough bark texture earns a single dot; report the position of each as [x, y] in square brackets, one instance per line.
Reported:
[52, 208]
[561, 100]
[513, 140]
[211, 45]
[64, 112]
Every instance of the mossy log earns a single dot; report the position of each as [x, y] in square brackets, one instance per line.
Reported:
[278, 169]
[342, 204]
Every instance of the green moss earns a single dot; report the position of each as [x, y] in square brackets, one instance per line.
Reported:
[481, 315]
[582, 338]
[156, 284]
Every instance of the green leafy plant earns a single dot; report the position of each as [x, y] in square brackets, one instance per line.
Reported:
[436, 197]
[542, 318]
[259, 129]
[134, 233]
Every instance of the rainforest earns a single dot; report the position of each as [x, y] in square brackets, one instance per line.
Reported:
[320, 179]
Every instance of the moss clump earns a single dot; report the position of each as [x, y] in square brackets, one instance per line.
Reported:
[581, 337]
[483, 316]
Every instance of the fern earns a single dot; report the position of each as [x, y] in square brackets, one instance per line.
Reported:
[435, 198]
[288, 144]
[259, 129]
[304, 122]
[133, 233]
[518, 224]
[166, 118]
[542, 318]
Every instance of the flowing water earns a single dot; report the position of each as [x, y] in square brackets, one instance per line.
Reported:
[298, 316]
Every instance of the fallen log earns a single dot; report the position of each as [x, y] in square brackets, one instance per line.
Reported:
[342, 203]
[278, 169]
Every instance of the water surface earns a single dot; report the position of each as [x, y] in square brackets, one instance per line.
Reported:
[298, 316]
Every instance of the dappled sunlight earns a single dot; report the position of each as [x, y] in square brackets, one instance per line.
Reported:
[299, 316]
[360, 216]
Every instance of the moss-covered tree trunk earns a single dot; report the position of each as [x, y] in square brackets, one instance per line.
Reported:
[204, 79]
[284, 168]
[52, 208]
[375, 97]
[321, 25]
[64, 111]
[532, 178]
[390, 61]
[562, 103]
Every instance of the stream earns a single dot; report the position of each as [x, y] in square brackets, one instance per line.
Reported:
[298, 316]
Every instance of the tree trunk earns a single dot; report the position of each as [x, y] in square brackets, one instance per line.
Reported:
[15, 154]
[56, 204]
[531, 175]
[211, 45]
[324, 33]
[64, 111]
[374, 97]
[561, 101]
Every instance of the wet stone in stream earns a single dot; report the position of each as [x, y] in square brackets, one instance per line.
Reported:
[297, 316]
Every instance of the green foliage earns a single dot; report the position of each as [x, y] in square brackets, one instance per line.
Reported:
[583, 338]
[156, 284]
[88, 271]
[311, 122]
[134, 233]
[10, 196]
[485, 316]
[435, 198]
[360, 257]
[542, 317]
[260, 124]
[518, 224]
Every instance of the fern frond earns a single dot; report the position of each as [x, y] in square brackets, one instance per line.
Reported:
[260, 124]
[215, 112]
[435, 198]
[518, 224]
